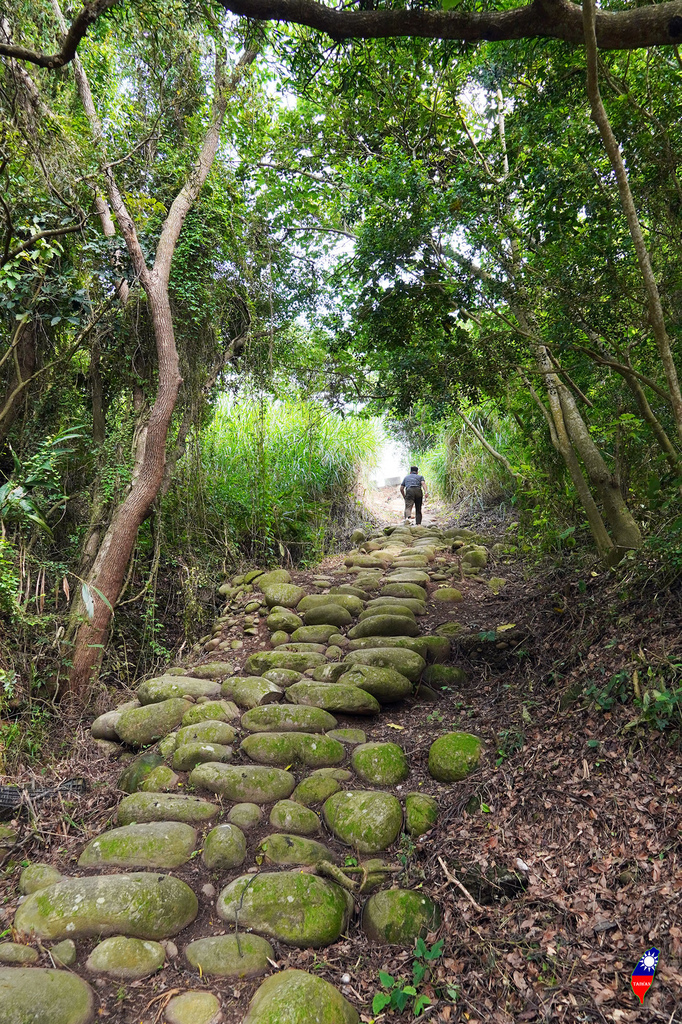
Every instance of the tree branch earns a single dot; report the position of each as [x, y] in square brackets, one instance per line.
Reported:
[86, 17]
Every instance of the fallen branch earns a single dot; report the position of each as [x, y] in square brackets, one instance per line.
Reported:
[455, 881]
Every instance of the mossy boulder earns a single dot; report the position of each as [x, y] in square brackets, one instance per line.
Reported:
[444, 675]
[380, 764]
[193, 1008]
[290, 816]
[39, 995]
[231, 956]
[385, 684]
[137, 771]
[224, 848]
[384, 625]
[283, 748]
[447, 594]
[454, 756]
[244, 783]
[251, 691]
[351, 737]
[350, 602]
[245, 816]
[416, 606]
[387, 609]
[421, 813]
[399, 916]
[141, 726]
[475, 556]
[300, 647]
[167, 745]
[104, 727]
[329, 614]
[437, 648]
[407, 663]
[334, 697]
[188, 755]
[211, 711]
[210, 731]
[164, 687]
[295, 908]
[64, 953]
[295, 997]
[409, 576]
[211, 670]
[283, 620]
[288, 718]
[142, 905]
[159, 844]
[283, 595]
[262, 661]
[329, 673]
[143, 807]
[160, 780]
[267, 579]
[450, 629]
[278, 638]
[126, 959]
[290, 849]
[366, 820]
[315, 790]
[412, 590]
[38, 876]
[348, 589]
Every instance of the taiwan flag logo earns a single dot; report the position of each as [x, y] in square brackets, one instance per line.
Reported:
[643, 974]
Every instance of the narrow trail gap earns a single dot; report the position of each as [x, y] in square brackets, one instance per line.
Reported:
[564, 836]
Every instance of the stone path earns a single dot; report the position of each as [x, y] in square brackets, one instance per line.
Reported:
[282, 734]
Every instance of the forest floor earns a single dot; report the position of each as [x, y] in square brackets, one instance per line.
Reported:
[585, 809]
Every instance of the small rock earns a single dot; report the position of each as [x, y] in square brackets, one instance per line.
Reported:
[143, 807]
[160, 844]
[367, 820]
[189, 755]
[163, 688]
[399, 916]
[291, 816]
[141, 726]
[284, 848]
[229, 956]
[286, 595]
[38, 876]
[384, 625]
[334, 697]
[264, 660]
[412, 590]
[385, 684]
[104, 727]
[210, 731]
[285, 718]
[251, 691]
[315, 790]
[282, 677]
[244, 783]
[351, 603]
[211, 670]
[447, 594]
[42, 995]
[421, 813]
[285, 748]
[15, 953]
[213, 711]
[349, 736]
[64, 953]
[246, 816]
[408, 663]
[380, 764]
[137, 771]
[193, 1008]
[313, 634]
[160, 780]
[283, 620]
[452, 757]
[444, 675]
[224, 848]
[329, 614]
[126, 959]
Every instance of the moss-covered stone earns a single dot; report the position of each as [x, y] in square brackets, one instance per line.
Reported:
[421, 813]
[295, 997]
[251, 691]
[160, 780]
[334, 697]
[449, 629]
[142, 807]
[64, 953]
[399, 916]
[289, 849]
[384, 625]
[284, 595]
[409, 576]
[284, 748]
[288, 718]
[224, 848]
[380, 764]
[408, 663]
[39, 995]
[137, 771]
[385, 684]
[164, 687]
[412, 590]
[166, 746]
[291, 816]
[454, 756]
[282, 677]
[475, 556]
[437, 648]
[17, 953]
[444, 675]
[193, 1008]
[283, 620]
[104, 727]
[262, 661]
[142, 905]
[209, 731]
[329, 673]
[211, 670]
[126, 959]
[447, 594]
[315, 790]
[347, 588]
[295, 908]
[267, 579]
[313, 634]
[296, 647]
[387, 609]
[38, 876]
[246, 816]
[329, 614]
[334, 653]
[366, 820]
[251, 783]
[416, 606]
[351, 603]
[351, 737]
[141, 726]
[159, 844]
[279, 638]
[188, 755]
[229, 956]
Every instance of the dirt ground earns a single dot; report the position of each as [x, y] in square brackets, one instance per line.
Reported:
[580, 812]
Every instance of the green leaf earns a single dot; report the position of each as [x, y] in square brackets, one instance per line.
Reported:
[420, 1003]
[386, 979]
[380, 1002]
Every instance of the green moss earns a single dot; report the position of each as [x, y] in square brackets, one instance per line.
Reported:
[454, 756]
[380, 764]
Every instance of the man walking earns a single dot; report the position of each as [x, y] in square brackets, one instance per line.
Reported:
[413, 490]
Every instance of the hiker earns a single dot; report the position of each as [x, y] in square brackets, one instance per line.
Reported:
[413, 490]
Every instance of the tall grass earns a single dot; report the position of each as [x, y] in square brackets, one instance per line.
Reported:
[268, 478]
[458, 466]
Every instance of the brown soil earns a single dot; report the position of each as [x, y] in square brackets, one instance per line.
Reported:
[591, 809]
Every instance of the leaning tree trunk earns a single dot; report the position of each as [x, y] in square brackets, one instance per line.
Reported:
[106, 579]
